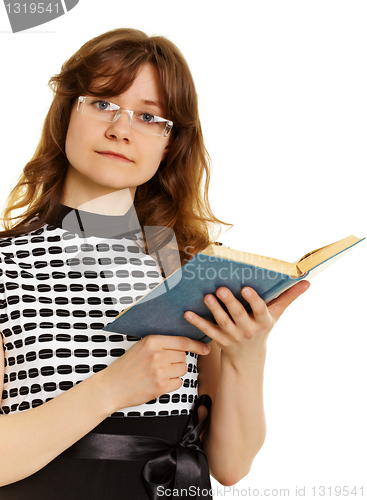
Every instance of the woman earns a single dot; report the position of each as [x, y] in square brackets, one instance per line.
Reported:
[121, 150]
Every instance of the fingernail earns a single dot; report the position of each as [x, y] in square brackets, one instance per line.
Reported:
[206, 349]
[209, 299]
[246, 292]
[222, 294]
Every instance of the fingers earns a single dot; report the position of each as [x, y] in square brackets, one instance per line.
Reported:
[236, 310]
[232, 324]
[176, 343]
[260, 310]
[178, 370]
[237, 331]
[208, 328]
[262, 314]
[258, 306]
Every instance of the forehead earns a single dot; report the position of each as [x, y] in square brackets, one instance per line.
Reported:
[146, 87]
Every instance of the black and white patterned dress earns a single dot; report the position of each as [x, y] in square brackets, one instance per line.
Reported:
[59, 286]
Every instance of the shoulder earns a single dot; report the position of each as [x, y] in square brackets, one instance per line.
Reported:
[18, 248]
[8, 243]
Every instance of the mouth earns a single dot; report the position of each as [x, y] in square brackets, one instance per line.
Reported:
[114, 156]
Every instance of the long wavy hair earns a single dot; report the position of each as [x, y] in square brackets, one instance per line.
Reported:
[177, 195]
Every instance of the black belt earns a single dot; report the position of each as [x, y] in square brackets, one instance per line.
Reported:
[180, 466]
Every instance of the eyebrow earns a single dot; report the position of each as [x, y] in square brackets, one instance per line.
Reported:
[157, 104]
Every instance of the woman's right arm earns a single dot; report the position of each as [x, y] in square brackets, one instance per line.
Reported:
[29, 440]
[32, 438]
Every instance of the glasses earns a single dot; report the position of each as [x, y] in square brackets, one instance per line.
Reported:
[142, 121]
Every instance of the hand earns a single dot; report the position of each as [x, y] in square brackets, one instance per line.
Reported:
[151, 367]
[240, 334]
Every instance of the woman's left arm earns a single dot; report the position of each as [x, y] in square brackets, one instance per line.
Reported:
[232, 374]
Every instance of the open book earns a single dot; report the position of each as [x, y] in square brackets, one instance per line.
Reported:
[161, 310]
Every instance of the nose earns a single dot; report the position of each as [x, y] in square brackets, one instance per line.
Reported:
[121, 128]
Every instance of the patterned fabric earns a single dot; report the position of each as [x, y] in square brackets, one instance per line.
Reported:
[58, 289]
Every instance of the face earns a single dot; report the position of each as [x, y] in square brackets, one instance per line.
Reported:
[105, 157]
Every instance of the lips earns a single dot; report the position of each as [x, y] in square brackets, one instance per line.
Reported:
[114, 156]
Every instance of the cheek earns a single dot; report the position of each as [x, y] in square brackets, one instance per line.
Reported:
[76, 140]
[152, 154]
[72, 141]
[69, 147]
[155, 160]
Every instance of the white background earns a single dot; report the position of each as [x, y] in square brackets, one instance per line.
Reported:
[282, 89]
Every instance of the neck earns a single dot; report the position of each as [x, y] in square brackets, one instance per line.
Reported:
[114, 203]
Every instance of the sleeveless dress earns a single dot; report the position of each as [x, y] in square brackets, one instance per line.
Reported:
[59, 286]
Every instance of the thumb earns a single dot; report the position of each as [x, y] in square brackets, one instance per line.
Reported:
[279, 305]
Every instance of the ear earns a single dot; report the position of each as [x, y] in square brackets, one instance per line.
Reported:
[166, 150]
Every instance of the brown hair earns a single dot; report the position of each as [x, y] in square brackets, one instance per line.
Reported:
[177, 195]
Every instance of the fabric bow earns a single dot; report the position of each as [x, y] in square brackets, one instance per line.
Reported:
[181, 466]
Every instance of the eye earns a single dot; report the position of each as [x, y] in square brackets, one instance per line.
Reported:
[147, 117]
[102, 105]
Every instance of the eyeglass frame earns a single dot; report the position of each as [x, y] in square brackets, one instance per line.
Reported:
[119, 111]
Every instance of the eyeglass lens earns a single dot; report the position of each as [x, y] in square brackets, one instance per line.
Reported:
[139, 120]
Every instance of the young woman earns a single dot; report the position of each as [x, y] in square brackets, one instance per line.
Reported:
[85, 414]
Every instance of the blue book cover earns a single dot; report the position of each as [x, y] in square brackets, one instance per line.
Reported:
[161, 310]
